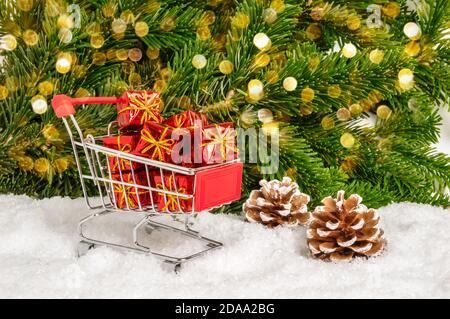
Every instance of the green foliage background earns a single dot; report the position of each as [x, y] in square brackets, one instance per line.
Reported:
[391, 161]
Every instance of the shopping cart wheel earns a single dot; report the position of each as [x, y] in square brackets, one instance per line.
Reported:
[84, 247]
[149, 228]
[171, 266]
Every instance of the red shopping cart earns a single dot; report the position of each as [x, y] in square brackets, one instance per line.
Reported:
[204, 194]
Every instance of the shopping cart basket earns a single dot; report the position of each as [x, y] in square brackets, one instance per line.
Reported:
[204, 194]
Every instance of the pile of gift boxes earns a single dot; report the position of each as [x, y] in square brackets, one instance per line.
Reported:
[185, 139]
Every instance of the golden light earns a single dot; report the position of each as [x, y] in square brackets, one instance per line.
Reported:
[255, 89]
[412, 31]
[8, 42]
[290, 83]
[199, 61]
[39, 104]
[405, 77]
[262, 41]
[349, 50]
[64, 63]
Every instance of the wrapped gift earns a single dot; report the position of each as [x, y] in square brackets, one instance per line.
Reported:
[187, 119]
[177, 183]
[155, 142]
[131, 194]
[219, 143]
[138, 107]
[123, 143]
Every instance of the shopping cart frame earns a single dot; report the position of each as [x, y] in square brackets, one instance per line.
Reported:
[100, 174]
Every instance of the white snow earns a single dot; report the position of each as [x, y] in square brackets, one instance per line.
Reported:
[38, 240]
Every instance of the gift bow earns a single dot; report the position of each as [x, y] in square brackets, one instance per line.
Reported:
[172, 200]
[123, 162]
[130, 191]
[225, 137]
[180, 119]
[159, 146]
[141, 102]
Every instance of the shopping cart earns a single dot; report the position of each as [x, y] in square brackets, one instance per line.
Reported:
[204, 194]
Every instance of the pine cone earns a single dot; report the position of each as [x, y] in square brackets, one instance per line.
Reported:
[344, 229]
[277, 203]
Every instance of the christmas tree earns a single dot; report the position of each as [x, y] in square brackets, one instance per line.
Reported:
[315, 70]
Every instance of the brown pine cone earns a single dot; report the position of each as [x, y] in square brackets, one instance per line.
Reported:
[344, 229]
[277, 203]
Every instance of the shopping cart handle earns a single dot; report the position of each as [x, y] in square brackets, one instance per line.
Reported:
[63, 105]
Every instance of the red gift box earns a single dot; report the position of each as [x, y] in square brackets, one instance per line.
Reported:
[138, 107]
[123, 143]
[176, 183]
[219, 143]
[187, 119]
[131, 194]
[155, 142]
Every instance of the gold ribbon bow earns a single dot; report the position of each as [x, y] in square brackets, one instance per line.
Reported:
[123, 162]
[224, 137]
[172, 200]
[145, 104]
[180, 119]
[161, 146]
[131, 194]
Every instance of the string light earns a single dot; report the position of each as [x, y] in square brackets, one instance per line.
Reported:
[255, 89]
[261, 60]
[98, 58]
[39, 104]
[290, 83]
[4, 92]
[270, 15]
[199, 61]
[272, 77]
[30, 37]
[265, 115]
[97, 41]
[278, 5]
[8, 42]
[355, 109]
[353, 23]
[307, 94]
[392, 10]
[347, 140]
[152, 54]
[376, 56]
[45, 88]
[349, 50]
[135, 54]
[334, 91]
[25, 5]
[226, 67]
[65, 21]
[64, 63]
[65, 35]
[240, 20]
[405, 77]
[262, 41]
[343, 114]
[204, 33]
[383, 112]
[141, 29]
[327, 123]
[122, 54]
[119, 26]
[412, 31]
[313, 32]
[412, 48]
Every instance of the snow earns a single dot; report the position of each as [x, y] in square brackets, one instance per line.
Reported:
[38, 259]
